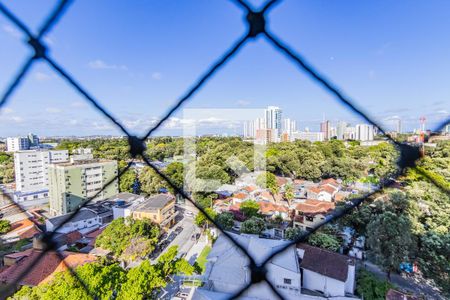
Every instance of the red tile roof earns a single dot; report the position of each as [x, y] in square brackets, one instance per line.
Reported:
[331, 181]
[339, 196]
[241, 196]
[326, 188]
[311, 206]
[281, 181]
[314, 189]
[24, 229]
[95, 233]
[47, 264]
[250, 188]
[268, 207]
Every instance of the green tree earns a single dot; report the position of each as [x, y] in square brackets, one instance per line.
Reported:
[254, 225]
[5, 226]
[169, 264]
[201, 220]
[324, 240]
[143, 282]
[225, 220]
[151, 182]
[269, 181]
[390, 240]
[249, 208]
[293, 233]
[134, 237]
[289, 193]
[371, 288]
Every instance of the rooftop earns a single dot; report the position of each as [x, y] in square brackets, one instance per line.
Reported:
[155, 202]
[84, 162]
[315, 206]
[83, 214]
[324, 262]
[45, 267]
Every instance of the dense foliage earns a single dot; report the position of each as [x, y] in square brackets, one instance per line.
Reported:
[254, 225]
[5, 226]
[371, 288]
[129, 238]
[106, 280]
[6, 167]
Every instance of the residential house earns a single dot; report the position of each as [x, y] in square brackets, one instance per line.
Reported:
[325, 271]
[85, 220]
[271, 210]
[309, 213]
[159, 208]
[228, 269]
[23, 229]
[240, 197]
[323, 193]
[49, 263]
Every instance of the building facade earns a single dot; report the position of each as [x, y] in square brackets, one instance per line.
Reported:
[72, 183]
[31, 168]
[159, 208]
[14, 144]
[325, 128]
[364, 132]
[272, 117]
[308, 136]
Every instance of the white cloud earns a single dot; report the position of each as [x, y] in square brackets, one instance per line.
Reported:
[6, 110]
[40, 76]
[100, 64]
[101, 126]
[53, 110]
[78, 104]
[442, 112]
[11, 31]
[243, 102]
[156, 76]
[16, 119]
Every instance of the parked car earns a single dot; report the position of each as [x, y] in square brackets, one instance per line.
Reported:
[189, 213]
[179, 229]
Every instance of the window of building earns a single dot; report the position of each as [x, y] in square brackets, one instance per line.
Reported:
[287, 281]
[310, 219]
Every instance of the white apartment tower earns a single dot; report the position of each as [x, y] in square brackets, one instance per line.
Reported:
[289, 126]
[31, 168]
[272, 117]
[364, 132]
[14, 144]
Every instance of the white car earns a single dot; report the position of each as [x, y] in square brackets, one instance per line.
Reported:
[189, 213]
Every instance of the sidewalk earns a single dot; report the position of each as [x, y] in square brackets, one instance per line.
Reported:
[195, 251]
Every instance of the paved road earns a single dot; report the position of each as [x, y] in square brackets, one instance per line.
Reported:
[183, 239]
[407, 283]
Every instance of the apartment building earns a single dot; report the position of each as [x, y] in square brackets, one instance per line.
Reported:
[72, 183]
[31, 171]
[14, 144]
[159, 208]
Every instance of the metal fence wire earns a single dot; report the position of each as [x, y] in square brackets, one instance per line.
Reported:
[256, 27]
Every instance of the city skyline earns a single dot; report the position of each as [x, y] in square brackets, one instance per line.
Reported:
[378, 71]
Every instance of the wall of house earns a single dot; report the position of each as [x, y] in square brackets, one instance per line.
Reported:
[277, 276]
[350, 283]
[329, 286]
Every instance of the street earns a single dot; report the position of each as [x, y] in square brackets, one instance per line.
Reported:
[407, 283]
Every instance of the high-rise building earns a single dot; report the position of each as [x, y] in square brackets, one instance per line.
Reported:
[265, 136]
[398, 125]
[31, 168]
[350, 133]
[326, 129]
[308, 136]
[72, 183]
[14, 144]
[272, 119]
[33, 139]
[31, 173]
[340, 130]
[289, 126]
[364, 132]
[249, 129]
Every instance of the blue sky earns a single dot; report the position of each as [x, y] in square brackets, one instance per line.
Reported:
[137, 58]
